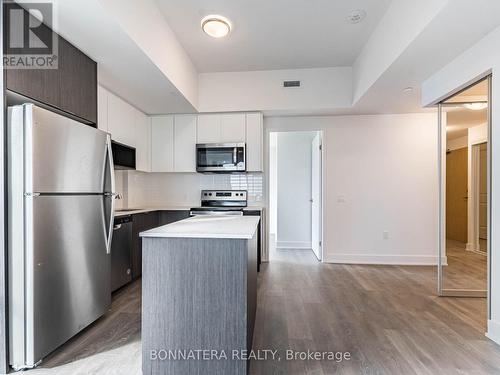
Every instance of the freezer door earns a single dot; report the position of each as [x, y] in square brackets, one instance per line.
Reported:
[67, 269]
[62, 155]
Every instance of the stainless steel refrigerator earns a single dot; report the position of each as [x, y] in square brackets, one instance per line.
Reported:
[61, 194]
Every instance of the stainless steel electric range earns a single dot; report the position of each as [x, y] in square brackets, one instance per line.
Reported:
[221, 202]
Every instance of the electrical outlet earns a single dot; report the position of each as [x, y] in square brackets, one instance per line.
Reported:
[385, 235]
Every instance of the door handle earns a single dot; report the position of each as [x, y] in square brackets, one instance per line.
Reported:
[112, 195]
[117, 226]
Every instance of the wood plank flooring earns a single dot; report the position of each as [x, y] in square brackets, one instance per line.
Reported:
[387, 317]
[465, 269]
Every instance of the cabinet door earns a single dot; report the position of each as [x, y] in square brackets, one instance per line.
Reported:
[121, 120]
[162, 144]
[232, 128]
[209, 128]
[102, 108]
[71, 88]
[185, 143]
[168, 217]
[141, 223]
[78, 82]
[143, 142]
[254, 139]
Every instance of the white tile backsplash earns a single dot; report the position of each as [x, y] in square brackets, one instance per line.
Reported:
[181, 189]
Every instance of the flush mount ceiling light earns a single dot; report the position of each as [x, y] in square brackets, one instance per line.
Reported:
[216, 26]
[478, 106]
[356, 16]
[408, 90]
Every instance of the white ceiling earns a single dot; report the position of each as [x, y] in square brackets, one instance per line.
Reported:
[273, 34]
[459, 119]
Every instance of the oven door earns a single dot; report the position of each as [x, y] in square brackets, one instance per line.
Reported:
[221, 157]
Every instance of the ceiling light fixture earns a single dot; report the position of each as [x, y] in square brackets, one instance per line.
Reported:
[356, 16]
[408, 90]
[478, 106]
[216, 26]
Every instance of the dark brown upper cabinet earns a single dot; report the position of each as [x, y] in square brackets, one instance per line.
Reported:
[71, 88]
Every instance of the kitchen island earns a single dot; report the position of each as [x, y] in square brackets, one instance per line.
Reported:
[199, 289]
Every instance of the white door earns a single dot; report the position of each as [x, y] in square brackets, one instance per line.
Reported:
[316, 227]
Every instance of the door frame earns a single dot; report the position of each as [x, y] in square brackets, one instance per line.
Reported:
[320, 206]
[449, 292]
[267, 167]
[474, 201]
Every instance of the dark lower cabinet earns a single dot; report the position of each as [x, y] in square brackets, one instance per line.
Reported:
[145, 221]
[167, 217]
[142, 222]
[260, 230]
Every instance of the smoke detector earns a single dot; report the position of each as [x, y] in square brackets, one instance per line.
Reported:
[356, 16]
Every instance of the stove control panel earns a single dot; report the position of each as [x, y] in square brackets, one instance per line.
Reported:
[224, 195]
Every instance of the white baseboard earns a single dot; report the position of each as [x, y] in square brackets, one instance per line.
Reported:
[493, 331]
[475, 248]
[293, 245]
[403, 260]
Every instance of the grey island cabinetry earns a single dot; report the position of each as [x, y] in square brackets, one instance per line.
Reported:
[199, 292]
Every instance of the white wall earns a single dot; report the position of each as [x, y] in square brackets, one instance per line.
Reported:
[477, 134]
[481, 59]
[294, 190]
[380, 174]
[455, 144]
[321, 88]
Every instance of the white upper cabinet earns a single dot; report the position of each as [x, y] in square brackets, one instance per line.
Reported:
[143, 142]
[121, 121]
[221, 128]
[254, 141]
[102, 108]
[185, 143]
[232, 128]
[208, 128]
[162, 144]
[174, 138]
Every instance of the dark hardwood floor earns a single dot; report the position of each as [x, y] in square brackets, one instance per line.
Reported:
[388, 318]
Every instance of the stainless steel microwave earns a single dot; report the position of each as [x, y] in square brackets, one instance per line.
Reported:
[221, 157]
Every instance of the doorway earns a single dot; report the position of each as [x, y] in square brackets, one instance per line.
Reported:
[465, 194]
[295, 192]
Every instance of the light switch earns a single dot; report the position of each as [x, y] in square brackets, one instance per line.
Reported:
[385, 235]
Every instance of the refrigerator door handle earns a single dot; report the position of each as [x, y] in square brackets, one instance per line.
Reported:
[111, 195]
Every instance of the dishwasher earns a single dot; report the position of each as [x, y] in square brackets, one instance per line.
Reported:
[121, 252]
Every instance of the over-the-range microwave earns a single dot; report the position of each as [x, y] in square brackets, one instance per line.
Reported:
[220, 157]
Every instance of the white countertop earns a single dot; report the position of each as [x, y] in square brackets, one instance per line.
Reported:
[140, 210]
[232, 227]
